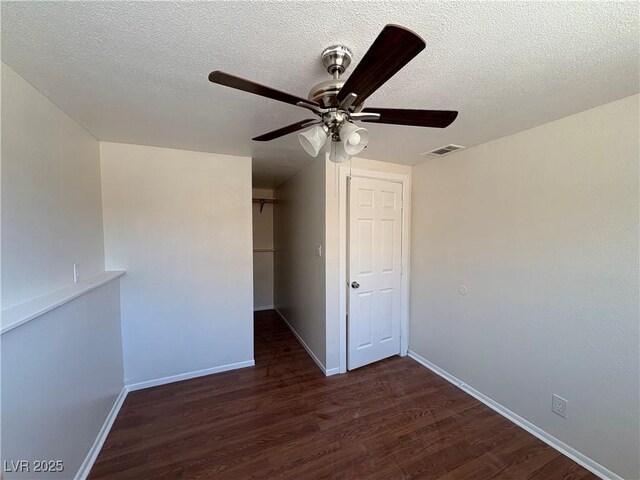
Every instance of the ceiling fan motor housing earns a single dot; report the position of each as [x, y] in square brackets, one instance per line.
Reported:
[326, 91]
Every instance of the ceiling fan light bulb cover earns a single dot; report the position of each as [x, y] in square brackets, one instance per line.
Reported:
[313, 140]
[337, 153]
[353, 138]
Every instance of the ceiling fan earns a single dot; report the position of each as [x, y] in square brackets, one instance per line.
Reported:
[338, 103]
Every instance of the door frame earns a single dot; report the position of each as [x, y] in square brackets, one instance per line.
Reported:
[345, 172]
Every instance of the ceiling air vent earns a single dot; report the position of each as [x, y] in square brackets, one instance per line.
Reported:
[439, 152]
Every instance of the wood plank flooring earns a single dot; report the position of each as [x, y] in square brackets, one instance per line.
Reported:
[283, 419]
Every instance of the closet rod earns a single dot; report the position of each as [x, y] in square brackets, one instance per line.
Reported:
[262, 201]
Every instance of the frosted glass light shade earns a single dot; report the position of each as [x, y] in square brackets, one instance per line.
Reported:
[338, 154]
[313, 140]
[353, 138]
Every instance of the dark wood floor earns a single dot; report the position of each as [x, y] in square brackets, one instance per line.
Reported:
[283, 419]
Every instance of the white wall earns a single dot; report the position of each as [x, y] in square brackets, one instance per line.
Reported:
[299, 228]
[179, 222]
[333, 242]
[542, 228]
[263, 251]
[62, 371]
[61, 374]
[51, 203]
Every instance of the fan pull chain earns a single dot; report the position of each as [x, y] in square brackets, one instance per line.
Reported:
[337, 180]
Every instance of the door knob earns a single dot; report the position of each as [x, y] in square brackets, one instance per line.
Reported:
[355, 285]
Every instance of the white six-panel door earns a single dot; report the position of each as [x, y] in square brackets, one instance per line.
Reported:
[374, 274]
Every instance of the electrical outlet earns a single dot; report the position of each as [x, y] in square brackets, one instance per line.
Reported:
[559, 406]
[76, 273]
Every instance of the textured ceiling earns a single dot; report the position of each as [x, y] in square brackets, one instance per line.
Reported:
[136, 72]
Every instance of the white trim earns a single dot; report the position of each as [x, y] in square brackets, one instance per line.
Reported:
[17, 315]
[405, 180]
[188, 375]
[580, 458]
[328, 373]
[90, 459]
[264, 307]
[332, 371]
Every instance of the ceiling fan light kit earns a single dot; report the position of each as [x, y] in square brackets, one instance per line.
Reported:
[337, 153]
[313, 140]
[339, 103]
[354, 138]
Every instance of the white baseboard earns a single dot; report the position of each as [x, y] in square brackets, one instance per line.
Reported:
[591, 465]
[90, 459]
[328, 373]
[186, 376]
[264, 307]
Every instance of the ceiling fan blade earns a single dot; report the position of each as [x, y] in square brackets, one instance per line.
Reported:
[243, 84]
[294, 127]
[418, 118]
[393, 49]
